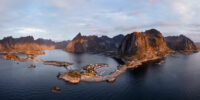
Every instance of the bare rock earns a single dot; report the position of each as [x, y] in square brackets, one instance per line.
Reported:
[32, 66]
[57, 63]
[56, 89]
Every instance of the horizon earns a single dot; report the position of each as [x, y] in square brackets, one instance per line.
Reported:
[88, 35]
[63, 19]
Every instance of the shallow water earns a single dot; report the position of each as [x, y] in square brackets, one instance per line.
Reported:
[178, 78]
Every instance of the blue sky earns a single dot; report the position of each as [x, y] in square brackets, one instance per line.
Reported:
[63, 19]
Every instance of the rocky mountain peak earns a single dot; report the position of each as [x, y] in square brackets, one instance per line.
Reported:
[154, 32]
[78, 36]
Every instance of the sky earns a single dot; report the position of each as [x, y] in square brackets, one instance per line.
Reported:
[63, 19]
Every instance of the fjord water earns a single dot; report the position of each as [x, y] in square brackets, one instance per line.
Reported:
[177, 78]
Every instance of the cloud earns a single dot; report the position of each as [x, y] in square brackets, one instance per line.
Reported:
[63, 19]
[145, 26]
[194, 25]
[137, 12]
[153, 2]
[69, 7]
[29, 30]
[166, 23]
[185, 10]
[101, 30]
[194, 36]
[6, 5]
[84, 24]
[195, 30]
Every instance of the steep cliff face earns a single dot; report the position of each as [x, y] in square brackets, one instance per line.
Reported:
[181, 43]
[24, 44]
[117, 40]
[143, 45]
[81, 44]
[1, 47]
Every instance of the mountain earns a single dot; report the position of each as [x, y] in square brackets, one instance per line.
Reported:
[142, 46]
[27, 44]
[47, 42]
[62, 44]
[81, 44]
[180, 43]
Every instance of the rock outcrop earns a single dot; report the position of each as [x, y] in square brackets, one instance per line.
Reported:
[13, 57]
[1, 46]
[32, 66]
[138, 47]
[56, 89]
[181, 44]
[57, 63]
[81, 44]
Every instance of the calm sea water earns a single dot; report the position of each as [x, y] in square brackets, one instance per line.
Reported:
[177, 79]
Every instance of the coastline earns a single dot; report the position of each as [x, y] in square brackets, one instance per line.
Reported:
[122, 69]
[109, 78]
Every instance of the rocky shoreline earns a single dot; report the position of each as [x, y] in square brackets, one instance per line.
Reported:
[136, 63]
[89, 74]
[57, 63]
[14, 57]
[75, 77]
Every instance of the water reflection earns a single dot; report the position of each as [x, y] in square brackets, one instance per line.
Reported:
[141, 71]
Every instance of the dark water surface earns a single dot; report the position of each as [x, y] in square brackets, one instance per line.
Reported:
[177, 79]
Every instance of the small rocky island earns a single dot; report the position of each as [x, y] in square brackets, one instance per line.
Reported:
[57, 63]
[56, 89]
[32, 66]
[89, 74]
